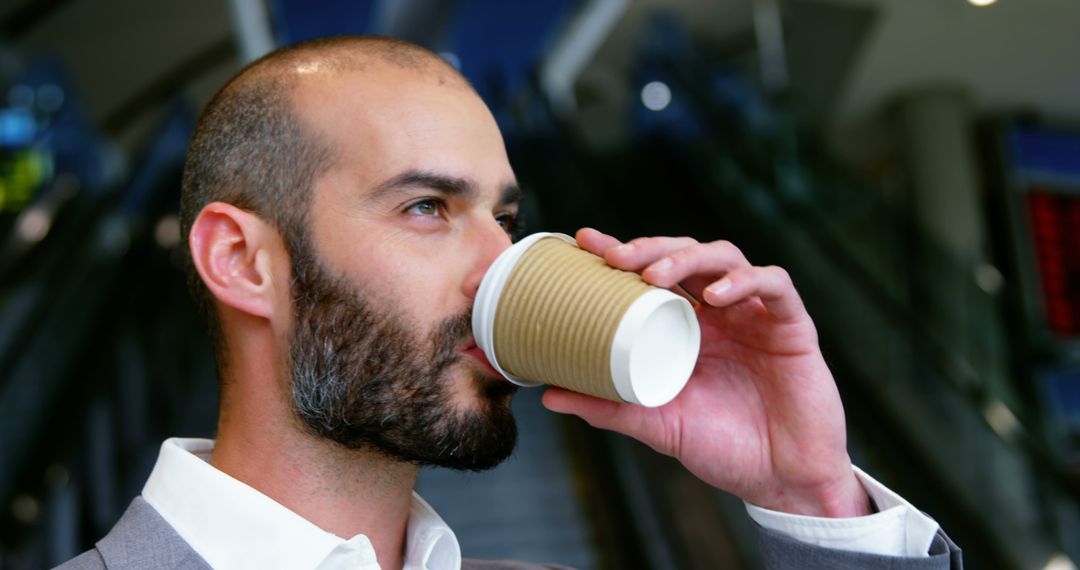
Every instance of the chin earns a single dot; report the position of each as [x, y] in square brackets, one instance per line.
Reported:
[480, 390]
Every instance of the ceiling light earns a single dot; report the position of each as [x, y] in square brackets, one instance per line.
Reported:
[981, 2]
[656, 96]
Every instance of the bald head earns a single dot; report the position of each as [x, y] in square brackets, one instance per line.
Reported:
[285, 68]
[253, 148]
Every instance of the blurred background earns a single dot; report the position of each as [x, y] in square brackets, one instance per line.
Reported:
[915, 164]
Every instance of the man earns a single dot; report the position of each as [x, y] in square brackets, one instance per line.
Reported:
[342, 199]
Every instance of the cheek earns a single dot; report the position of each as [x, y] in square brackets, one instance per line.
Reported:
[423, 288]
[432, 289]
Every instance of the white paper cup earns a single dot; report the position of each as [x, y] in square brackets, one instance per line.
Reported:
[548, 312]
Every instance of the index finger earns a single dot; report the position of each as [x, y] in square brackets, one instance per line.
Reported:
[595, 242]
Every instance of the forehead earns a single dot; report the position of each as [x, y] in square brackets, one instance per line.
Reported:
[382, 119]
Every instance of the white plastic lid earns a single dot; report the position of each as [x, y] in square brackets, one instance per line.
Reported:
[655, 348]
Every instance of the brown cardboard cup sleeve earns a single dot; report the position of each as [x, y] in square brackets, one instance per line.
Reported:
[548, 312]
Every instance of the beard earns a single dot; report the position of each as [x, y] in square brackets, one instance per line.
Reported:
[364, 380]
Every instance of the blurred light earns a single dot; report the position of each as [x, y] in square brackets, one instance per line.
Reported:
[25, 509]
[656, 96]
[452, 59]
[17, 128]
[988, 278]
[50, 97]
[981, 2]
[1001, 419]
[167, 232]
[1059, 562]
[33, 225]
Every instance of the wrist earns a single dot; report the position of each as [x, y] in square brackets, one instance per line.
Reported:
[844, 497]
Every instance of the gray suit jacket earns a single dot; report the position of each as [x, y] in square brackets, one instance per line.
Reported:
[143, 540]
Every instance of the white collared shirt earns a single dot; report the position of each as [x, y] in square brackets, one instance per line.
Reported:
[231, 525]
[897, 529]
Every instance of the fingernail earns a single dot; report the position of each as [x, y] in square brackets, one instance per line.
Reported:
[719, 288]
[624, 248]
[662, 265]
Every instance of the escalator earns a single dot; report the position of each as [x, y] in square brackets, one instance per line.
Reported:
[101, 357]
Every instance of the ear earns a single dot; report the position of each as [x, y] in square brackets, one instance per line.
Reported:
[238, 256]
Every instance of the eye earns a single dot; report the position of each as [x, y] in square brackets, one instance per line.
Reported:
[511, 224]
[426, 207]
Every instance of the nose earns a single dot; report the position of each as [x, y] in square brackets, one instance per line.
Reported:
[487, 243]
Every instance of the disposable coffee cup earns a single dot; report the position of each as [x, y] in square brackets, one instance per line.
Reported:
[549, 312]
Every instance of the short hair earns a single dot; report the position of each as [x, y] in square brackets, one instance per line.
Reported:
[252, 149]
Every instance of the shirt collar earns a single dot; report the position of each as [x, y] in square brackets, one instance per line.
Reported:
[232, 525]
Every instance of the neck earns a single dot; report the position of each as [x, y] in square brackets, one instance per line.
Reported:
[342, 491]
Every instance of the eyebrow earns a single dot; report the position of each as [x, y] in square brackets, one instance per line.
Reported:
[444, 184]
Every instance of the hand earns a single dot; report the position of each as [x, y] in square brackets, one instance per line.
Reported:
[760, 416]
